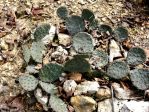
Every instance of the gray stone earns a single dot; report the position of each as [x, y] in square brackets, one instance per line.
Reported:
[83, 103]
[64, 39]
[105, 106]
[90, 87]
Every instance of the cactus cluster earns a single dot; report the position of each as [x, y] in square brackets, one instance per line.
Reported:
[89, 59]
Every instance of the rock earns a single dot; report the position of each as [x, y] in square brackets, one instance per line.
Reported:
[31, 69]
[122, 93]
[64, 39]
[83, 103]
[105, 106]
[90, 87]
[3, 88]
[114, 50]
[41, 99]
[60, 54]
[103, 93]
[69, 86]
[75, 76]
[131, 106]
[123, 106]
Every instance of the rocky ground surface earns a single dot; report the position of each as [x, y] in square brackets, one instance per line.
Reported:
[19, 18]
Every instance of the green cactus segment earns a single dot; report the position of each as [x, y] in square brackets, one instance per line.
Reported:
[93, 24]
[82, 56]
[28, 82]
[88, 15]
[118, 70]
[77, 65]
[75, 24]
[26, 53]
[49, 88]
[100, 58]
[50, 72]
[105, 28]
[57, 104]
[136, 56]
[83, 43]
[41, 31]
[37, 51]
[121, 34]
[140, 78]
[62, 12]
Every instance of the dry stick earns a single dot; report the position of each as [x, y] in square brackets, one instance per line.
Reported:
[112, 103]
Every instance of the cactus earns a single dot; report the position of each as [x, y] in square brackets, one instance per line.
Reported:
[88, 15]
[83, 43]
[136, 56]
[75, 24]
[28, 82]
[26, 53]
[37, 51]
[77, 65]
[50, 72]
[93, 25]
[140, 78]
[99, 58]
[49, 88]
[118, 70]
[57, 104]
[105, 28]
[41, 31]
[62, 12]
[121, 34]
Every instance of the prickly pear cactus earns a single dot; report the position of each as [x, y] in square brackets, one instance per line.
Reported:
[83, 43]
[37, 51]
[28, 82]
[88, 15]
[49, 88]
[77, 65]
[41, 31]
[26, 53]
[121, 34]
[118, 70]
[136, 56]
[50, 72]
[104, 28]
[75, 24]
[62, 12]
[140, 78]
[57, 104]
[99, 58]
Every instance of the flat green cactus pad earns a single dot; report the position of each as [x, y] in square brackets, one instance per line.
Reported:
[118, 70]
[83, 43]
[50, 72]
[121, 34]
[105, 28]
[28, 82]
[41, 31]
[88, 15]
[140, 78]
[77, 65]
[62, 12]
[136, 56]
[75, 24]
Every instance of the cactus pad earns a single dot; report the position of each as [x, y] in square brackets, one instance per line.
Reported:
[118, 70]
[28, 82]
[136, 56]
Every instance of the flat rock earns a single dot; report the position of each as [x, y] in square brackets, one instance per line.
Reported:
[103, 93]
[114, 50]
[123, 93]
[123, 106]
[64, 39]
[90, 87]
[83, 103]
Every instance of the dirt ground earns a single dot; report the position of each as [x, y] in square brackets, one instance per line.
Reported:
[19, 18]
